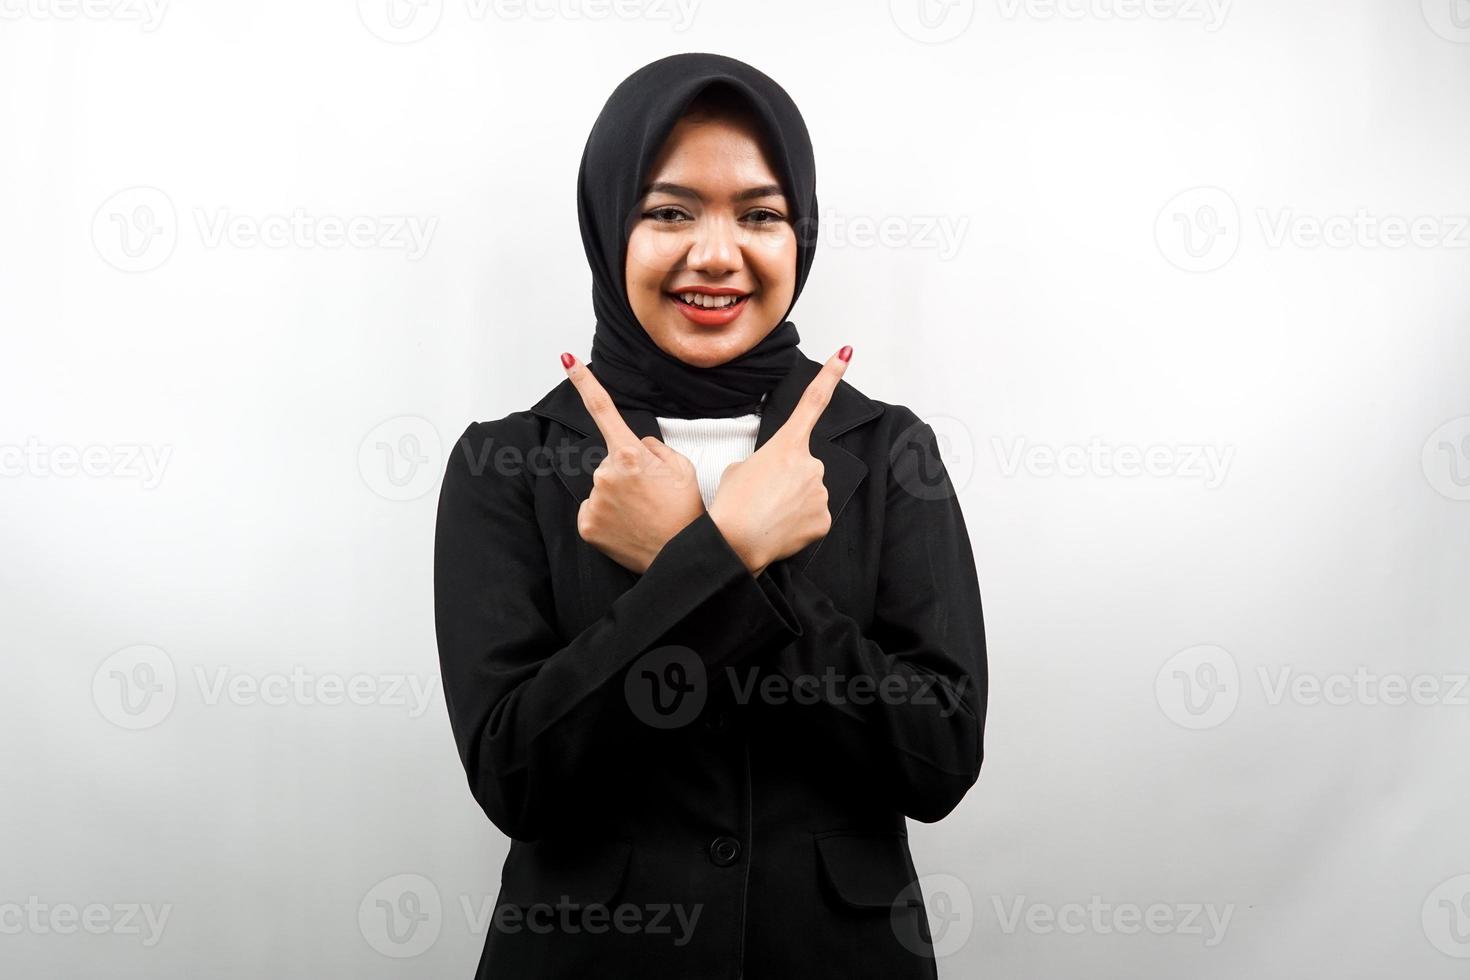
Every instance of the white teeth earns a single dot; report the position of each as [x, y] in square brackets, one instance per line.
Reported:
[710, 302]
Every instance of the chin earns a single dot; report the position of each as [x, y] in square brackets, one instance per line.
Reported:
[708, 348]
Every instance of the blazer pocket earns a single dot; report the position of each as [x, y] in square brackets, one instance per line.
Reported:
[547, 872]
[866, 870]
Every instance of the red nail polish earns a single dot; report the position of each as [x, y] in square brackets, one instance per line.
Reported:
[567, 360]
[846, 353]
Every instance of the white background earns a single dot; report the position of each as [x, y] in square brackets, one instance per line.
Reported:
[1098, 237]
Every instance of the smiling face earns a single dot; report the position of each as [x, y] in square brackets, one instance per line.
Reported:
[714, 227]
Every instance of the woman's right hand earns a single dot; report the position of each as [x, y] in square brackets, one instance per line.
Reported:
[774, 503]
[643, 492]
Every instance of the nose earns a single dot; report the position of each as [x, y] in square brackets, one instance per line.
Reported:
[717, 248]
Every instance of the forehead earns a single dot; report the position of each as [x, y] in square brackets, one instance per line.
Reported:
[712, 151]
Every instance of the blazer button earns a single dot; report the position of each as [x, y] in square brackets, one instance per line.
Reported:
[724, 851]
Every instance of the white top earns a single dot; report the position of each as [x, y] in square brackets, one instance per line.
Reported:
[711, 445]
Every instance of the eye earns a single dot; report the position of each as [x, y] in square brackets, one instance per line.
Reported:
[668, 214]
[766, 216]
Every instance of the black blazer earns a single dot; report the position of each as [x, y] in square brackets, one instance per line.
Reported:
[680, 804]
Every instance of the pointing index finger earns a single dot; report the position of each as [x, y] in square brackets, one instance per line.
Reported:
[818, 393]
[599, 404]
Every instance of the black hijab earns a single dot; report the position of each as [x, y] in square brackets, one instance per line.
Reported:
[628, 135]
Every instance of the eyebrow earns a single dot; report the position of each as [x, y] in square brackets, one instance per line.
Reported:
[679, 190]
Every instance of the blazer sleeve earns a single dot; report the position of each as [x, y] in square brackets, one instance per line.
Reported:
[923, 740]
[530, 708]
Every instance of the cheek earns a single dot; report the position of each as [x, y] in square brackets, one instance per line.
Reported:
[776, 262]
[651, 257]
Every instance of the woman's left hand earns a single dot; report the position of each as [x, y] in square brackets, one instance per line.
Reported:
[643, 492]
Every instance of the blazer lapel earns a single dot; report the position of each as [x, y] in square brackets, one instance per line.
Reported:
[584, 446]
[842, 471]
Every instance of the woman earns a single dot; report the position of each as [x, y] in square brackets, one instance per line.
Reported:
[701, 695]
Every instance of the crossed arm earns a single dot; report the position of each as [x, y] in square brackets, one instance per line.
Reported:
[533, 714]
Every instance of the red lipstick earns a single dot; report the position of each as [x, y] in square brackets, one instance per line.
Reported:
[710, 316]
